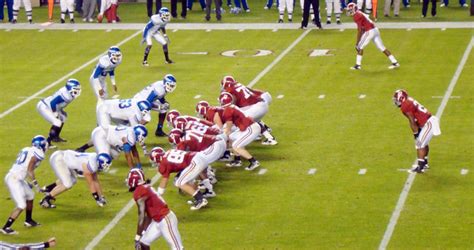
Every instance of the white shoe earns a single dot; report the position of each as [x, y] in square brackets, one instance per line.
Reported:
[253, 166]
[394, 65]
[199, 205]
[269, 142]
[209, 194]
[356, 67]
[465, 5]
[442, 5]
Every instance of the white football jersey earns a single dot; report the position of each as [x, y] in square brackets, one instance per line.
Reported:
[115, 134]
[104, 67]
[59, 100]
[20, 167]
[152, 92]
[154, 25]
[74, 160]
[126, 110]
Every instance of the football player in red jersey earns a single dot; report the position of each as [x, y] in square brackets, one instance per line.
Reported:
[245, 131]
[366, 32]
[155, 219]
[188, 164]
[253, 103]
[423, 124]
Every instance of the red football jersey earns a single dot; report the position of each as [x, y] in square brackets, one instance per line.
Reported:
[174, 161]
[155, 207]
[363, 21]
[195, 142]
[200, 129]
[243, 96]
[232, 113]
[212, 111]
[195, 119]
[421, 114]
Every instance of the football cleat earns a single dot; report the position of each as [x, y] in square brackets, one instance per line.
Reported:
[46, 202]
[394, 65]
[269, 142]
[8, 231]
[209, 194]
[338, 22]
[234, 164]
[72, 21]
[280, 20]
[212, 179]
[199, 204]
[31, 223]
[356, 67]
[290, 20]
[160, 133]
[58, 139]
[328, 22]
[253, 166]
[145, 63]
[417, 170]
[62, 20]
[169, 61]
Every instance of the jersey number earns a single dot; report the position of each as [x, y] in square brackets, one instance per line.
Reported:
[244, 90]
[21, 157]
[175, 156]
[125, 103]
[420, 107]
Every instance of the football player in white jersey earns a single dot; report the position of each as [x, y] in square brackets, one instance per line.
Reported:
[65, 164]
[21, 192]
[126, 112]
[67, 6]
[117, 139]
[52, 108]
[105, 66]
[155, 94]
[155, 28]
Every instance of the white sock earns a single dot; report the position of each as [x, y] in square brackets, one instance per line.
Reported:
[392, 59]
[281, 15]
[359, 60]
[207, 184]
[267, 135]
[71, 15]
[63, 15]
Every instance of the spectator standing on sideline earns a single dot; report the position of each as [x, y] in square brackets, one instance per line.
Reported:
[306, 6]
[78, 4]
[425, 8]
[108, 9]
[396, 7]
[174, 8]
[149, 7]
[334, 6]
[462, 3]
[288, 4]
[218, 9]
[88, 9]
[9, 8]
[50, 10]
[311, 11]
[239, 4]
[67, 6]
[269, 4]
[201, 2]
[28, 10]
[406, 3]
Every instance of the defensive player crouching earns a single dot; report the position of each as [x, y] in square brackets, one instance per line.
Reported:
[105, 66]
[190, 164]
[155, 219]
[65, 164]
[27, 161]
[423, 124]
[52, 108]
[155, 94]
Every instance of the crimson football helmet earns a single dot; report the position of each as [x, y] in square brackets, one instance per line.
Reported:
[351, 9]
[174, 137]
[171, 116]
[201, 108]
[399, 97]
[227, 81]
[135, 177]
[226, 99]
[156, 154]
[180, 123]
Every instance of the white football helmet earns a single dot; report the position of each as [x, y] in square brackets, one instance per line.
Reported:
[165, 14]
[73, 87]
[115, 55]
[170, 83]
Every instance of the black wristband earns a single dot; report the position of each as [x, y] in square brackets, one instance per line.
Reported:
[46, 244]
[96, 196]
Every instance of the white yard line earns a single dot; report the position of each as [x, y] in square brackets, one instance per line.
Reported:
[62, 79]
[130, 204]
[312, 171]
[411, 177]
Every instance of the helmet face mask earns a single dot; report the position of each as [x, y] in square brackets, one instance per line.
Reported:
[227, 81]
[351, 9]
[104, 161]
[40, 142]
[73, 87]
[140, 133]
[115, 55]
[170, 83]
[399, 97]
[165, 14]
[201, 108]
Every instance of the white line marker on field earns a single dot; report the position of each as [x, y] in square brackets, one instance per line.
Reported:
[208, 30]
[362, 96]
[41, 30]
[280, 96]
[341, 30]
[115, 96]
[262, 171]
[403, 169]
[197, 96]
[75, 30]
[62, 79]
[112, 171]
[24, 97]
[175, 30]
[108, 30]
[241, 30]
[275, 30]
[362, 171]
[193, 53]
[8, 30]
[464, 171]
[452, 97]
[411, 177]
[278, 58]
[409, 29]
[443, 29]
[322, 96]
[312, 171]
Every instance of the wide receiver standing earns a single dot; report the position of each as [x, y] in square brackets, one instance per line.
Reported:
[366, 32]
[155, 219]
[155, 28]
[423, 124]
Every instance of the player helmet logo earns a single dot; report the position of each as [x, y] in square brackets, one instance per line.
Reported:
[140, 133]
[201, 108]
[174, 136]
[226, 99]
[115, 55]
[171, 116]
[170, 83]
[180, 123]
[351, 9]
[399, 97]
[135, 177]
[104, 161]
[73, 87]
[227, 81]
[144, 107]
[156, 154]
[165, 14]
[40, 142]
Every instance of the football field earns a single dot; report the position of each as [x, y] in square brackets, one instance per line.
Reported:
[337, 178]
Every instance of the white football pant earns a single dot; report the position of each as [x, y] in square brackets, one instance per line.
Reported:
[215, 151]
[430, 129]
[288, 4]
[368, 5]
[168, 228]
[370, 35]
[99, 138]
[241, 139]
[20, 191]
[55, 118]
[97, 84]
[67, 5]
[333, 5]
[256, 111]
[157, 36]
[197, 165]
[16, 8]
[64, 174]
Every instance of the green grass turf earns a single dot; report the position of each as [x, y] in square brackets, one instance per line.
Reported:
[338, 135]
[136, 13]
